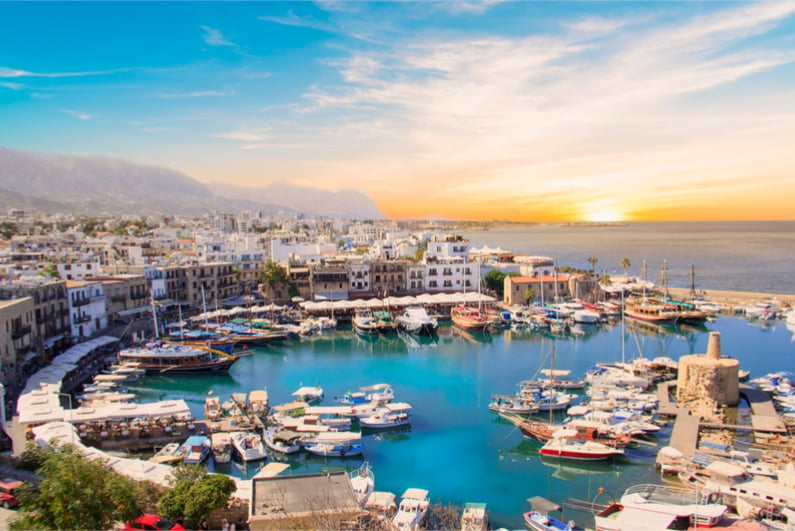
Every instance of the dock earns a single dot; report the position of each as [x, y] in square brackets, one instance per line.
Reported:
[666, 406]
[685, 433]
[764, 417]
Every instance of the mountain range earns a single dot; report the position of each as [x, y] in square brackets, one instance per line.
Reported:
[67, 183]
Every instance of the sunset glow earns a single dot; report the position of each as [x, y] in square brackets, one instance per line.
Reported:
[524, 111]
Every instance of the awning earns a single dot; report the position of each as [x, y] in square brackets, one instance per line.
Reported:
[134, 311]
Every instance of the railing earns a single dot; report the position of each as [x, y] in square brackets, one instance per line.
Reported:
[80, 302]
[20, 331]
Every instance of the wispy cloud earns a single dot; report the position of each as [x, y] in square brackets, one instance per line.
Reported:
[291, 19]
[468, 7]
[12, 72]
[213, 37]
[244, 135]
[77, 114]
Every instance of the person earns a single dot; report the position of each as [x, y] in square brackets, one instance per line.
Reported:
[224, 525]
[204, 525]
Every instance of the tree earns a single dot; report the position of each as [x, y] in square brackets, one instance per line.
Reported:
[272, 275]
[49, 271]
[495, 281]
[195, 494]
[592, 260]
[529, 294]
[77, 493]
[625, 264]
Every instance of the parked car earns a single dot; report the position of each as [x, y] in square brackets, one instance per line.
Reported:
[152, 522]
[8, 493]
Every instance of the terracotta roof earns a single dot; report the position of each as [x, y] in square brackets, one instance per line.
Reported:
[537, 280]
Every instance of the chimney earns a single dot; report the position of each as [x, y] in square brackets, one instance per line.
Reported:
[713, 347]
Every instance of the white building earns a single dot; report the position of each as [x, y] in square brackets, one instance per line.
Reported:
[359, 274]
[535, 266]
[282, 249]
[87, 312]
[79, 270]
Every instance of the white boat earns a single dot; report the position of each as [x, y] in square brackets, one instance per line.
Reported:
[512, 404]
[212, 408]
[564, 447]
[388, 416]
[363, 483]
[474, 517]
[196, 449]
[222, 447]
[381, 392]
[283, 441]
[412, 509]
[415, 320]
[559, 379]
[733, 481]
[336, 444]
[248, 446]
[166, 454]
[258, 402]
[381, 505]
[659, 508]
[365, 322]
[310, 395]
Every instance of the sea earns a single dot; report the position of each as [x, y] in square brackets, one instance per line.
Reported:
[455, 447]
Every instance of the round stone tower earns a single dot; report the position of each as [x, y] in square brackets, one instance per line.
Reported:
[708, 378]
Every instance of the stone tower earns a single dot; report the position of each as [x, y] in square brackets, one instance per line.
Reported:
[707, 379]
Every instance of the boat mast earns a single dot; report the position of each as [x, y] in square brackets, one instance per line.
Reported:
[692, 281]
[154, 316]
[204, 308]
[664, 278]
[643, 275]
[623, 318]
[551, 382]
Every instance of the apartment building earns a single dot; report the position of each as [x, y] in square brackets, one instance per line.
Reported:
[17, 332]
[87, 312]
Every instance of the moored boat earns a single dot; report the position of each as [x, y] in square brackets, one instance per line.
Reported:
[176, 359]
[222, 447]
[364, 322]
[412, 509]
[564, 447]
[415, 320]
[248, 446]
[469, 318]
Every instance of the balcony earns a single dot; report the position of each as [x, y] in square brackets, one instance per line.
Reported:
[78, 319]
[80, 302]
[118, 298]
[20, 331]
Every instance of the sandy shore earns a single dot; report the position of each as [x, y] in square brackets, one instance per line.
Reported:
[729, 299]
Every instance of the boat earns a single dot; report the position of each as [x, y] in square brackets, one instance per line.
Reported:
[541, 522]
[381, 505]
[196, 449]
[541, 432]
[222, 447]
[212, 408]
[658, 508]
[248, 446]
[364, 322]
[651, 311]
[563, 446]
[258, 402]
[166, 455]
[415, 320]
[512, 404]
[388, 416]
[363, 483]
[381, 392]
[283, 441]
[560, 379]
[157, 358]
[310, 395]
[386, 322]
[412, 509]
[335, 444]
[474, 517]
[469, 318]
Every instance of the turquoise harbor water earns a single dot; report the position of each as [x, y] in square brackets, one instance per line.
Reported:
[456, 448]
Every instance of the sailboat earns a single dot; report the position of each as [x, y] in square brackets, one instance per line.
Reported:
[469, 317]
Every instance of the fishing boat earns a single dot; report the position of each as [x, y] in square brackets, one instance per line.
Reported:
[248, 446]
[474, 517]
[364, 322]
[363, 483]
[563, 446]
[541, 522]
[335, 444]
[415, 320]
[412, 509]
[560, 379]
[310, 395]
[388, 416]
[197, 448]
[166, 455]
[158, 357]
[381, 392]
[512, 404]
[212, 408]
[469, 318]
[283, 441]
[386, 322]
[222, 447]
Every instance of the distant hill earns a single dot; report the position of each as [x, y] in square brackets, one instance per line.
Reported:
[343, 203]
[51, 182]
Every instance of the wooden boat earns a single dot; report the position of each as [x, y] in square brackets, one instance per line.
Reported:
[364, 322]
[650, 311]
[512, 404]
[541, 432]
[386, 322]
[469, 318]
[177, 359]
[222, 447]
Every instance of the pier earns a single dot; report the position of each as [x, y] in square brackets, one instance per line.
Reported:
[764, 417]
[684, 436]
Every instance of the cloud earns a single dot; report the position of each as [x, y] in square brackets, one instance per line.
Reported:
[77, 114]
[458, 7]
[12, 72]
[244, 135]
[213, 37]
[291, 19]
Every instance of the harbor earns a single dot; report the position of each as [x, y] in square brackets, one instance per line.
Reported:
[449, 380]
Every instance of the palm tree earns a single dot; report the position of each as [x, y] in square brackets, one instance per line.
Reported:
[592, 260]
[271, 275]
[625, 264]
[529, 294]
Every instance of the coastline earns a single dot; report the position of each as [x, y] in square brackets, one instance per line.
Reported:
[732, 298]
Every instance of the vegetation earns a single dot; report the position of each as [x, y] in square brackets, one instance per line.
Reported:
[195, 494]
[495, 281]
[7, 230]
[49, 271]
[625, 264]
[273, 275]
[592, 260]
[529, 294]
[76, 493]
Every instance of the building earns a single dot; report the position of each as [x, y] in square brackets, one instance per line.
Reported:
[330, 280]
[359, 279]
[16, 339]
[708, 382]
[126, 296]
[87, 312]
[306, 501]
[545, 288]
[389, 277]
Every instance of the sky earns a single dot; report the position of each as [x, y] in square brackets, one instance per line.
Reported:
[520, 110]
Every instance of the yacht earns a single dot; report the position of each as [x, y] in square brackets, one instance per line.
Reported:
[415, 320]
[733, 481]
[469, 318]
[157, 358]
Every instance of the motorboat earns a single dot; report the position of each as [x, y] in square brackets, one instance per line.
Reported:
[415, 320]
[474, 517]
[512, 404]
[335, 444]
[222, 447]
[658, 508]
[310, 395]
[212, 408]
[381, 392]
[560, 380]
[563, 446]
[258, 402]
[157, 358]
[386, 322]
[196, 449]
[381, 505]
[542, 522]
[166, 455]
[248, 446]
[412, 510]
[388, 416]
[283, 441]
[364, 322]
[363, 483]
